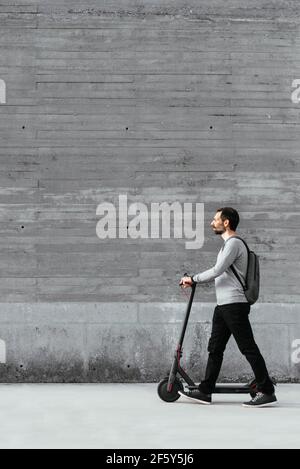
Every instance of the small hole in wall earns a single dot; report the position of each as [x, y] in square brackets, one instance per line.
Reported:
[128, 366]
[211, 127]
[23, 127]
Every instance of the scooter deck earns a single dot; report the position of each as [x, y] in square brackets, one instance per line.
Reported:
[230, 388]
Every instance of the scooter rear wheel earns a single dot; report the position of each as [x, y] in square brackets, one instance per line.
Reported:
[169, 396]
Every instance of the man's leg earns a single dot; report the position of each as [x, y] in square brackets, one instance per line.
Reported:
[217, 343]
[236, 316]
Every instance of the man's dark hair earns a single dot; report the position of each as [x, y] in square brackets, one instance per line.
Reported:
[229, 213]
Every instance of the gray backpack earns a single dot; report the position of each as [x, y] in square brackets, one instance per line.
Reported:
[251, 289]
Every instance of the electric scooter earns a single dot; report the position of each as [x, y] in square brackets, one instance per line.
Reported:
[169, 386]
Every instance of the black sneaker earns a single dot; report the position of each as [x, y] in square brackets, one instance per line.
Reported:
[197, 396]
[261, 400]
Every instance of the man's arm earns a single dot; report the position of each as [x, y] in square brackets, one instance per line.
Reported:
[225, 259]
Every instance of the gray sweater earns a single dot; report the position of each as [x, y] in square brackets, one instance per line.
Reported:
[228, 288]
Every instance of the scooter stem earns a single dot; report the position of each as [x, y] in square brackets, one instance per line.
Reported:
[187, 315]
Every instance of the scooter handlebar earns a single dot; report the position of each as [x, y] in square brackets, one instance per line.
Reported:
[184, 275]
[187, 275]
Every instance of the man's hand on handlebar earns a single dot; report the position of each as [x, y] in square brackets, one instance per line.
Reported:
[186, 282]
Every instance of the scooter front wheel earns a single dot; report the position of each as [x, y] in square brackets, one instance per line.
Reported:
[169, 396]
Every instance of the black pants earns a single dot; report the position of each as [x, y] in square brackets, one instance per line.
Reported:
[234, 319]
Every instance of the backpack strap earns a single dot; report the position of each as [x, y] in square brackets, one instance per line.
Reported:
[243, 242]
[238, 277]
[232, 267]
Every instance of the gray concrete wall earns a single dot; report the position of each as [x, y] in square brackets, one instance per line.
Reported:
[162, 101]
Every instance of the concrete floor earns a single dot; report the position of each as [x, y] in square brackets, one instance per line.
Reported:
[132, 416]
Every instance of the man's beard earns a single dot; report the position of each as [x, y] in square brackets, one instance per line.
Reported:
[219, 232]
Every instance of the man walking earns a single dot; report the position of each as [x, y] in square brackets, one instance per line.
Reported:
[231, 315]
